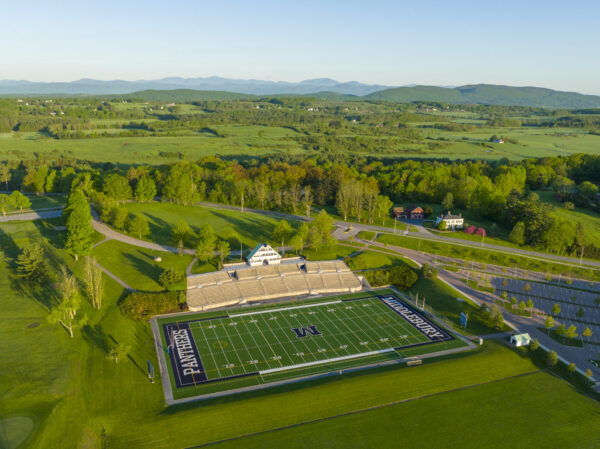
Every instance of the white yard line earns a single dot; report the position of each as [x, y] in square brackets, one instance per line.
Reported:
[233, 346]
[320, 362]
[268, 344]
[340, 332]
[286, 308]
[254, 340]
[210, 351]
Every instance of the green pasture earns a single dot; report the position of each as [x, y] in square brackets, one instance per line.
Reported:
[241, 141]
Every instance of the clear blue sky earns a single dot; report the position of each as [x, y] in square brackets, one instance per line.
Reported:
[548, 43]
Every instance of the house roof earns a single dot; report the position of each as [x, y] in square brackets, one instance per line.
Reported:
[451, 217]
[413, 207]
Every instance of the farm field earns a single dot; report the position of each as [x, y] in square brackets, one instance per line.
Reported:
[243, 141]
[247, 347]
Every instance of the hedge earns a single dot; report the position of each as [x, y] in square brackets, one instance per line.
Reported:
[143, 305]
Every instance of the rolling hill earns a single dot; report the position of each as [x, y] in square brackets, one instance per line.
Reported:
[489, 94]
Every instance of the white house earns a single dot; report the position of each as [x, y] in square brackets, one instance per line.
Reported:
[263, 254]
[452, 221]
[520, 339]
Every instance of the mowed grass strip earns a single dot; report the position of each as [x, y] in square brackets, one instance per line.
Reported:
[291, 404]
[519, 412]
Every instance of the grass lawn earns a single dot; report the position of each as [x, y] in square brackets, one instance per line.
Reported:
[162, 218]
[76, 397]
[487, 256]
[442, 298]
[366, 235]
[329, 252]
[373, 259]
[513, 405]
[136, 265]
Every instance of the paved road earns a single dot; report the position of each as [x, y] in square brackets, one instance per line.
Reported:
[422, 233]
[35, 215]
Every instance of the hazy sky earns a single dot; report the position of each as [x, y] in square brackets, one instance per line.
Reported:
[548, 43]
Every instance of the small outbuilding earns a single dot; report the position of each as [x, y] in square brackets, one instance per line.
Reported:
[520, 339]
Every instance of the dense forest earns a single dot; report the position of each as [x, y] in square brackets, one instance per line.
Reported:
[361, 189]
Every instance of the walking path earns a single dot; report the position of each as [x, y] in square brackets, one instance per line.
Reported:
[120, 281]
[35, 215]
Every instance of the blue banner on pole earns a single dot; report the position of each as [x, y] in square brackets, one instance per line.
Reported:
[463, 319]
[150, 370]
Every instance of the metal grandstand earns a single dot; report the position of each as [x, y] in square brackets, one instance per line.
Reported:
[244, 284]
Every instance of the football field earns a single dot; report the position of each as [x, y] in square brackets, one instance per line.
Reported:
[287, 338]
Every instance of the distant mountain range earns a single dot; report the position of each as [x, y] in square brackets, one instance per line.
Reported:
[216, 88]
[254, 87]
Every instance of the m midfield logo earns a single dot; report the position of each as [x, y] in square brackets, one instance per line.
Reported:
[304, 331]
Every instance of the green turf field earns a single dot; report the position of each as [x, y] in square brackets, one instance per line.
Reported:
[259, 346]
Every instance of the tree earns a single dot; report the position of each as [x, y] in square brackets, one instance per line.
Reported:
[93, 281]
[31, 264]
[522, 306]
[118, 352]
[119, 218]
[527, 287]
[307, 200]
[555, 309]
[145, 190]
[5, 174]
[320, 230]
[19, 201]
[496, 317]
[448, 201]
[181, 232]
[65, 313]
[50, 180]
[207, 241]
[579, 240]
[571, 332]
[513, 301]
[281, 233]
[169, 277]
[79, 227]
[298, 241]
[580, 313]
[571, 368]
[139, 226]
[530, 305]
[552, 358]
[443, 225]
[382, 208]
[117, 187]
[224, 249]
[4, 203]
[587, 333]
[561, 330]
[549, 323]
[588, 374]
[534, 345]
[517, 235]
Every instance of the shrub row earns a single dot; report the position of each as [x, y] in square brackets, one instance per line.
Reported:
[143, 305]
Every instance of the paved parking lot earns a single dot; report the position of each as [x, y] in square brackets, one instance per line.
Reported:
[572, 304]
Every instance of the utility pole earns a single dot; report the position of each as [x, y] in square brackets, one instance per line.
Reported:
[581, 257]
